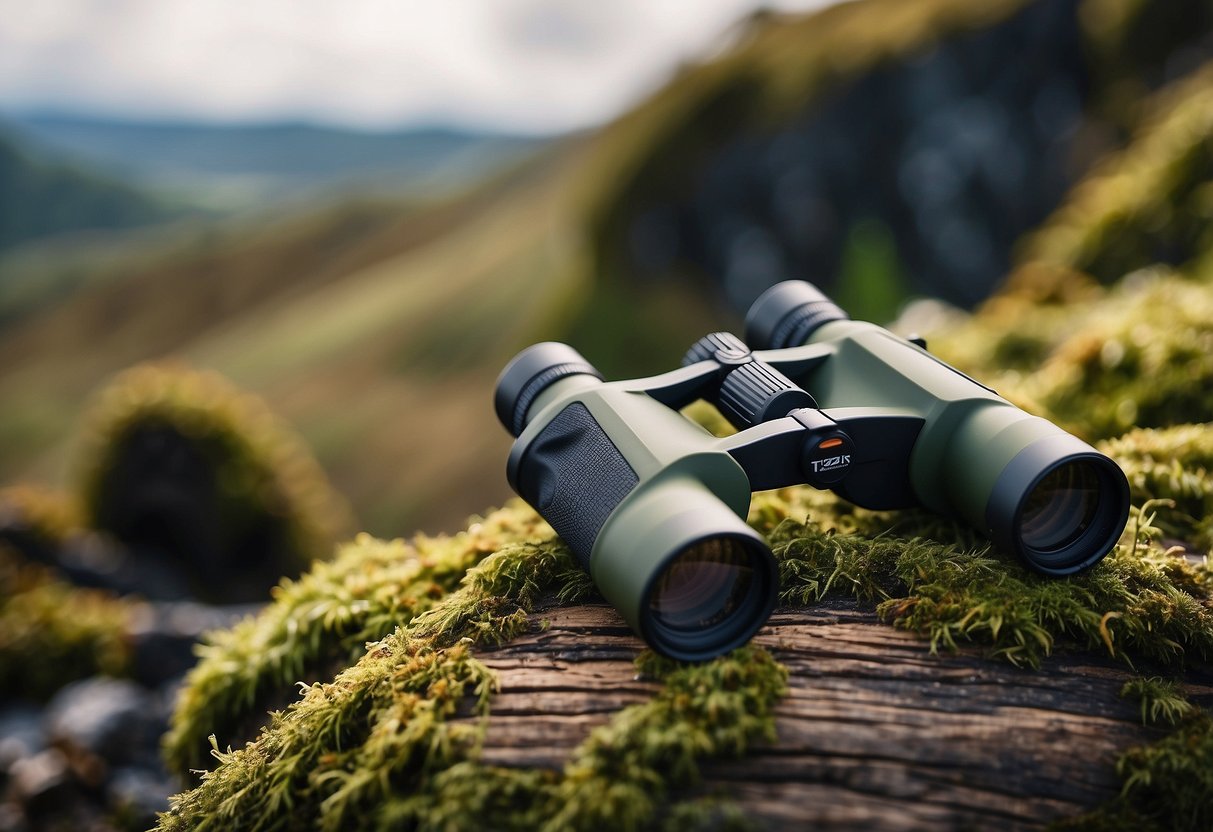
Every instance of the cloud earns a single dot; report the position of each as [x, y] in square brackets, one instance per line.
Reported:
[533, 65]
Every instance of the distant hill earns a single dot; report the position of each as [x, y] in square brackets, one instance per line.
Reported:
[40, 197]
[237, 166]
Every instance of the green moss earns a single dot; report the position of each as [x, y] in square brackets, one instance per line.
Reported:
[1141, 356]
[1168, 785]
[630, 772]
[379, 727]
[1172, 465]
[322, 621]
[1162, 701]
[52, 633]
[1141, 602]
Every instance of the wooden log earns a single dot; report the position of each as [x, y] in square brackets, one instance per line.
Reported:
[875, 732]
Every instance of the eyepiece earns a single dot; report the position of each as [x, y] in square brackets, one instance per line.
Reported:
[1060, 505]
[531, 372]
[787, 314]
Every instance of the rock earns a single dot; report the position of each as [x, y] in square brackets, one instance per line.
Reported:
[21, 734]
[12, 819]
[163, 636]
[137, 794]
[113, 719]
[43, 783]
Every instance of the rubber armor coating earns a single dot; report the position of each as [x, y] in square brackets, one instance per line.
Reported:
[575, 477]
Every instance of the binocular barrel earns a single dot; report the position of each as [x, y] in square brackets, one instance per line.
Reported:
[646, 505]
[654, 507]
[1033, 489]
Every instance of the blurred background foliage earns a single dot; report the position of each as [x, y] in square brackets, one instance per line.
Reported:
[885, 150]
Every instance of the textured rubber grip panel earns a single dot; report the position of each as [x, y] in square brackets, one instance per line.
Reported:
[575, 477]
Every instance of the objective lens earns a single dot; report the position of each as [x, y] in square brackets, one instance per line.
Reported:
[703, 586]
[1061, 507]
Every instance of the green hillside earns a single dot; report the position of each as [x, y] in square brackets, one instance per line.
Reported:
[375, 328]
[42, 198]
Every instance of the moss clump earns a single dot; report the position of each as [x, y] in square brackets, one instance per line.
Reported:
[1161, 699]
[47, 515]
[324, 620]
[629, 773]
[180, 460]
[380, 726]
[52, 633]
[1167, 785]
[1144, 358]
[1140, 602]
[1172, 465]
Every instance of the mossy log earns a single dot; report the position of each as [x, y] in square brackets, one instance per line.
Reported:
[874, 731]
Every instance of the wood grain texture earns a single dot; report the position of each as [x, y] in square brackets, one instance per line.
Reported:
[875, 732]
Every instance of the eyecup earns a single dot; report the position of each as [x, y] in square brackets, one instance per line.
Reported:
[786, 314]
[528, 374]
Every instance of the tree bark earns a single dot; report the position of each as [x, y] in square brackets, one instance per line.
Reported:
[875, 732]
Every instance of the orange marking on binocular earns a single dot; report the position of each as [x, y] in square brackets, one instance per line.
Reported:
[830, 443]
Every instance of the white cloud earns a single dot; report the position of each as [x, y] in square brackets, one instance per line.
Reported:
[518, 64]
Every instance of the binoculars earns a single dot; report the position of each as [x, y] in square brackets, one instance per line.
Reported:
[653, 506]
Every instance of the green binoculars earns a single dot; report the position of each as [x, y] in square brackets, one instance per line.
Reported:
[653, 506]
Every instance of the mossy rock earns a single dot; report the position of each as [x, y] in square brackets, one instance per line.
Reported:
[52, 633]
[904, 146]
[179, 466]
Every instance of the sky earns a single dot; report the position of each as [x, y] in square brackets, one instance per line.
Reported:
[531, 66]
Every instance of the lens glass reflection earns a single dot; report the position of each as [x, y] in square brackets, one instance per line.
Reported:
[703, 586]
[1061, 507]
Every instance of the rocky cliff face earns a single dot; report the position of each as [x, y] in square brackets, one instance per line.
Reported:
[912, 165]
